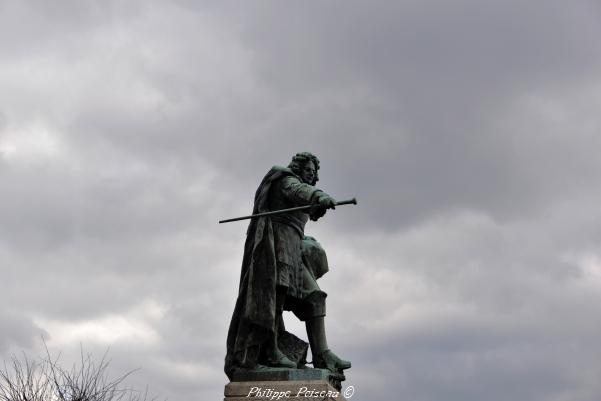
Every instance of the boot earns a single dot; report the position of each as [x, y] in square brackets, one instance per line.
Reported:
[329, 360]
[323, 358]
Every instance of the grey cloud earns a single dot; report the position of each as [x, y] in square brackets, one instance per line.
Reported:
[18, 332]
[422, 86]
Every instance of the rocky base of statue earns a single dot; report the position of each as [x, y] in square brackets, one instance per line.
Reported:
[273, 383]
[296, 350]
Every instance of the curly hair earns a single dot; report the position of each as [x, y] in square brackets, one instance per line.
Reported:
[300, 159]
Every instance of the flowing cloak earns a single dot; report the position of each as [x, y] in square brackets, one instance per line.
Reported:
[254, 319]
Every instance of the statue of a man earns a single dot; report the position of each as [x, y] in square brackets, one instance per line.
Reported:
[279, 272]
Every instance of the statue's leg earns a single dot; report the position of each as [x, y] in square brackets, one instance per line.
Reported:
[316, 331]
[276, 357]
[323, 357]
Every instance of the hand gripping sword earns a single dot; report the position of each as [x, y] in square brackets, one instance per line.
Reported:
[292, 209]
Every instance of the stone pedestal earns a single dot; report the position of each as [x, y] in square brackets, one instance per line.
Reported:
[283, 385]
[296, 390]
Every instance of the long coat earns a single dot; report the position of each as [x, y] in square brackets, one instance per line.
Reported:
[254, 318]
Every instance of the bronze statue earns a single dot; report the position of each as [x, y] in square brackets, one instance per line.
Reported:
[280, 269]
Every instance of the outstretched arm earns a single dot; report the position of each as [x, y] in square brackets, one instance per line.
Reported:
[301, 194]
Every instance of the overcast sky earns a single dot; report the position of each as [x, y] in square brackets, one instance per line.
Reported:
[469, 131]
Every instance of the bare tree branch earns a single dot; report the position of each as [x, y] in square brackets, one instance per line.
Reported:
[25, 379]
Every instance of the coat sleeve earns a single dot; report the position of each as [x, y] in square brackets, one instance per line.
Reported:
[300, 193]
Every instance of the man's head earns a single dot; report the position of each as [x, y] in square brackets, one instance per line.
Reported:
[305, 165]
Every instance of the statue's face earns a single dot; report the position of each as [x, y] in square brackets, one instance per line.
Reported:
[308, 173]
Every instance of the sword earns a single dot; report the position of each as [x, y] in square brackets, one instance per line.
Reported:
[292, 209]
